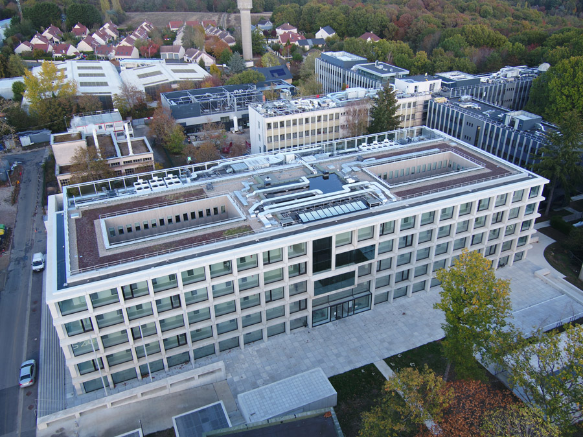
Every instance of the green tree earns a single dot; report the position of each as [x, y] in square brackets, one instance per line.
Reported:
[560, 156]
[411, 398]
[269, 60]
[49, 83]
[547, 369]
[308, 68]
[476, 306]
[18, 91]
[559, 90]
[383, 112]
[16, 66]
[518, 421]
[309, 87]
[257, 42]
[83, 13]
[175, 141]
[237, 63]
[43, 14]
[248, 76]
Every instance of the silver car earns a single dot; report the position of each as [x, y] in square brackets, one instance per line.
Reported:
[27, 373]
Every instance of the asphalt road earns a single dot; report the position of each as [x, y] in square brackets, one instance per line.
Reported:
[20, 303]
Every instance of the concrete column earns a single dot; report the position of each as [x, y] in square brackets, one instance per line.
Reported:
[245, 7]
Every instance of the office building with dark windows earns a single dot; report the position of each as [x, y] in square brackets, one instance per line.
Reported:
[151, 271]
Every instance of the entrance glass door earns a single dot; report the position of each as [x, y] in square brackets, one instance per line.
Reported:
[341, 310]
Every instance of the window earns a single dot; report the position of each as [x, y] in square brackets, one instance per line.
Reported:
[420, 270]
[497, 217]
[529, 209]
[228, 326]
[513, 213]
[164, 283]
[400, 292]
[139, 311]
[423, 253]
[250, 301]
[441, 248]
[525, 225]
[386, 246]
[405, 241]
[491, 250]
[201, 334]
[175, 341]
[74, 305]
[299, 305]
[384, 264]
[246, 262]
[334, 283]
[168, 303]
[419, 286]
[251, 319]
[297, 269]
[145, 330]
[272, 256]
[223, 289]
[522, 241]
[109, 319]
[446, 213]
[248, 282]
[477, 239]
[510, 229]
[225, 308]
[494, 234]
[273, 276]
[483, 204]
[387, 228]
[460, 243]
[274, 313]
[501, 200]
[517, 196]
[343, 239]
[465, 209]
[438, 265]
[275, 294]
[534, 191]
[427, 218]
[322, 255]
[383, 281]
[199, 315]
[366, 233]
[220, 269]
[171, 323]
[462, 226]
[401, 276]
[78, 327]
[296, 250]
[135, 290]
[298, 288]
[507, 245]
[480, 222]
[364, 270]
[298, 323]
[424, 236]
[518, 256]
[444, 231]
[403, 259]
[407, 223]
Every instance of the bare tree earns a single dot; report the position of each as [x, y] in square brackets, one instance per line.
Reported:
[357, 117]
[207, 151]
[87, 165]
[130, 97]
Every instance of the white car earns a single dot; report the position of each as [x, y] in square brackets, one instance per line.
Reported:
[38, 262]
[27, 373]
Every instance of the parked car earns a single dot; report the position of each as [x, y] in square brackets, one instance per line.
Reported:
[38, 262]
[27, 373]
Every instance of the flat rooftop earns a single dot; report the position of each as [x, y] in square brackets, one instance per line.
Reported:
[139, 145]
[344, 56]
[456, 75]
[105, 117]
[381, 69]
[231, 202]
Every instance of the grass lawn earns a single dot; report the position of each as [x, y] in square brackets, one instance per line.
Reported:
[577, 204]
[358, 389]
[429, 354]
[558, 257]
[560, 213]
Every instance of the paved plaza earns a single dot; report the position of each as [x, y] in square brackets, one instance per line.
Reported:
[368, 337]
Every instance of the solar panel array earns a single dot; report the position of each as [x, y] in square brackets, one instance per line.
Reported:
[333, 211]
[203, 420]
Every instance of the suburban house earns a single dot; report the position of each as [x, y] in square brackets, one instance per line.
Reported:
[175, 25]
[127, 41]
[369, 36]
[172, 52]
[126, 52]
[104, 52]
[23, 47]
[307, 44]
[194, 23]
[195, 55]
[325, 32]
[110, 29]
[80, 31]
[47, 48]
[290, 37]
[88, 44]
[53, 33]
[223, 35]
[64, 50]
[265, 25]
[102, 37]
[39, 39]
[286, 27]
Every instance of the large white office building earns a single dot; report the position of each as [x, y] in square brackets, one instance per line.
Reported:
[150, 271]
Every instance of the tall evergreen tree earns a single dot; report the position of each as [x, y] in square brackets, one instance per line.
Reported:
[384, 111]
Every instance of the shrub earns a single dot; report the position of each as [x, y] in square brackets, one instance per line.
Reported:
[561, 225]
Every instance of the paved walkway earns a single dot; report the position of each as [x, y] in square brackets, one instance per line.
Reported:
[387, 330]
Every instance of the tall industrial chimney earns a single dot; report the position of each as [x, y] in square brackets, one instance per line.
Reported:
[245, 7]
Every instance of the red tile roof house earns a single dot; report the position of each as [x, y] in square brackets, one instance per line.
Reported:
[64, 50]
[194, 23]
[102, 51]
[101, 37]
[286, 27]
[47, 48]
[195, 55]
[53, 33]
[88, 44]
[369, 36]
[127, 41]
[23, 47]
[175, 25]
[290, 37]
[110, 29]
[39, 39]
[125, 52]
[79, 30]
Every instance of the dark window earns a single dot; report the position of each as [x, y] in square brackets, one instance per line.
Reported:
[322, 254]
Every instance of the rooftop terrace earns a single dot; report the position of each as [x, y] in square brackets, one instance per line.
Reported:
[225, 203]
